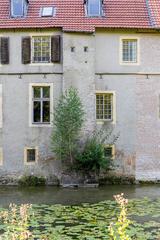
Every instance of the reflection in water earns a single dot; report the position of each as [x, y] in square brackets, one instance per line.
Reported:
[55, 195]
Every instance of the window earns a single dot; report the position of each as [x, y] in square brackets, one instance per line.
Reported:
[0, 105]
[47, 11]
[109, 151]
[129, 50]
[41, 104]
[94, 8]
[30, 155]
[1, 156]
[104, 106]
[41, 49]
[18, 8]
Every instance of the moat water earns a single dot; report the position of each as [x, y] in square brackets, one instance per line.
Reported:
[66, 196]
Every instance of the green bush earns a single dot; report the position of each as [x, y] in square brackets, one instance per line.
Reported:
[92, 157]
[32, 181]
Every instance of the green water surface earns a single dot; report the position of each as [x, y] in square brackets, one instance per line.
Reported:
[85, 214]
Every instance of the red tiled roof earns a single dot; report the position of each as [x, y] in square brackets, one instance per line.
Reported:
[70, 15]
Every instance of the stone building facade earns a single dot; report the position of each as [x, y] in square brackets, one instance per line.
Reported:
[113, 60]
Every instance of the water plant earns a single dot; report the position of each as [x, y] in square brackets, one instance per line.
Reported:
[16, 222]
[83, 222]
[117, 231]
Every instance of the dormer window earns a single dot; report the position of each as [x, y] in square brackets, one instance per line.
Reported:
[94, 8]
[47, 11]
[18, 8]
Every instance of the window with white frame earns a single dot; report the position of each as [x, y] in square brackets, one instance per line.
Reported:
[41, 104]
[30, 155]
[41, 49]
[47, 11]
[129, 50]
[104, 106]
[94, 8]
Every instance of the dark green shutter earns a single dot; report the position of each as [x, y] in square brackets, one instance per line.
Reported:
[56, 49]
[4, 48]
[26, 50]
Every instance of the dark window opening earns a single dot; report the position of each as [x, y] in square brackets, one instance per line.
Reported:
[85, 49]
[31, 155]
[72, 49]
[108, 152]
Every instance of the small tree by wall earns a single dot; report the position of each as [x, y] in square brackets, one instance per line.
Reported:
[68, 121]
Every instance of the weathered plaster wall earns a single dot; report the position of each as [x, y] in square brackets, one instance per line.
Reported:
[125, 90]
[148, 128]
[137, 100]
[16, 134]
[16, 65]
[108, 52]
[79, 71]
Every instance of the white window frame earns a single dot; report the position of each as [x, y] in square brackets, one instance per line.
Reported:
[121, 50]
[94, 15]
[47, 15]
[1, 110]
[32, 49]
[31, 85]
[12, 14]
[101, 121]
[25, 155]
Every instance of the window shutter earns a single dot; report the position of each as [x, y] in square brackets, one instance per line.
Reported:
[56, 49]
[26, 50]
[4, 50]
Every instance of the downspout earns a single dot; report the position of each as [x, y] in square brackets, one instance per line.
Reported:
[150, 15]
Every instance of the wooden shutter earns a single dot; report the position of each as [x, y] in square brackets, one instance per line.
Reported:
[56, 49]
[26, 50]
[4, 50]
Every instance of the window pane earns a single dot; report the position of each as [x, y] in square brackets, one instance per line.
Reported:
[31, 155]
[104, 106]
[108, 106]
[37, 111]
[47, 11]
[46, 92]
[94, 7]
[129, 50]
[46, 111]
[99, 108]
[41, 104]
[108, 152]
[17, 7]
[41, 49]
[37, 92]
